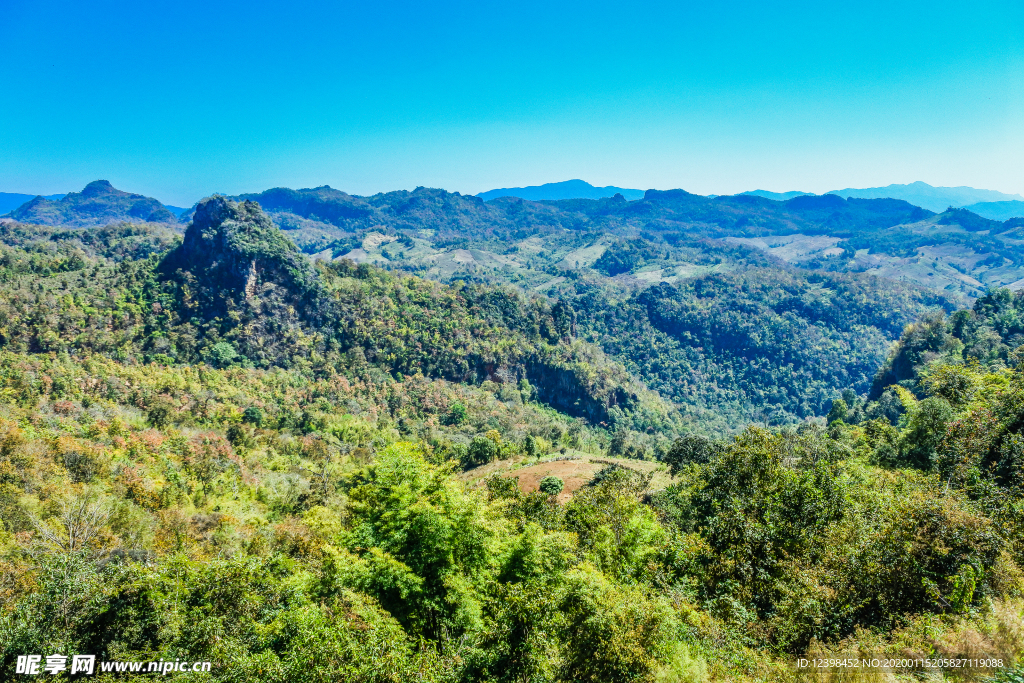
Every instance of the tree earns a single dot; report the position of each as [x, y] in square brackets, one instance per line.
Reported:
[691, 448]
[838, 411]
[223, 354]
[78, 525]
[925, 430]
[253, 415]
[456, 414]
[160, 414]
[551, 485]
[482, 451]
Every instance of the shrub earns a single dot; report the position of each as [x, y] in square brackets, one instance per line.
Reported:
[456, 414]
[551, 485]
[253, 416]
[691, 448]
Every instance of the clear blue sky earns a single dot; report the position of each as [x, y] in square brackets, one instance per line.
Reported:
[181, 99]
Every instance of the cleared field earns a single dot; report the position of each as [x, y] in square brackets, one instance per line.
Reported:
[574, 473]
[791, 247]
[583, 257]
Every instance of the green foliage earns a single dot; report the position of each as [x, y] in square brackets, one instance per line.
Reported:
[456, 414]
[613, 633]
[481, 451]
[691, 449]
[430, 542]
[777, 344]
[838, 412]
[987, 334]
[253, 415]
[551, 485]
[627, 256]
[926, 427]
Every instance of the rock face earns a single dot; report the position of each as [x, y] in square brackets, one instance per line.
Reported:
[100, 203]
[243, 283]
[236, 248]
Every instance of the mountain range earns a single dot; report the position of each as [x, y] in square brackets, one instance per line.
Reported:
[779, 302]
[999, 211]
[449, 235]
[987, 203]
[928, 197]
[777, 196]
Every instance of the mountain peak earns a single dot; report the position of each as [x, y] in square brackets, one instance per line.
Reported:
[566, 189]
[244, 273]
[236, 247]
[98, 187]
[99, 203]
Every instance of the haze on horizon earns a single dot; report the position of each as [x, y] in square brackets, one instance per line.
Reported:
[180, 101]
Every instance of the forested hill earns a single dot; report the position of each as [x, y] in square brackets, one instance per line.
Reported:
[447, 235]
[989, 334]
[765, 345]
[100, 203]
[452, 213]
[237, 292]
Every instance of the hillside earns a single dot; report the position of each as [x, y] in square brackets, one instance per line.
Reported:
[749, 337]
[989, 334]
[756, 344]
[754, 286]
[446, 235]
[237, 292]
[98, 204]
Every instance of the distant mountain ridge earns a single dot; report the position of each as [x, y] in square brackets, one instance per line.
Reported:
[99, 203]
[777, 196]
[567, 189]
[988, 203]
[921, 194]
[998, 211]
[9, 201]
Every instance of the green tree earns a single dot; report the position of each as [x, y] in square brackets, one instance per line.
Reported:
[482, 450]
[551, 485]
[456, 414]
[838, 411]
[691, 448]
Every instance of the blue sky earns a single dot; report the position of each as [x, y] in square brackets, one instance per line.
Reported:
[180, 100]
